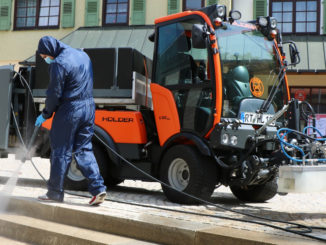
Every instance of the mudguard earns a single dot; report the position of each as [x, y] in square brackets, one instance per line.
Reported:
[107, 139]
[185, 137]
[182, 138]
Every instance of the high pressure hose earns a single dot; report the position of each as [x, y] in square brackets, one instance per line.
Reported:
[292, 228]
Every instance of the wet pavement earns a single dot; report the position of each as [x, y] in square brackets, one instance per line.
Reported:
[146, 200]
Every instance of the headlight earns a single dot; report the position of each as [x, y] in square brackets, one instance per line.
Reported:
[221, 12]
[235, 15]
[272, 22]
[225, 139]
[234, 140]
[262, 21]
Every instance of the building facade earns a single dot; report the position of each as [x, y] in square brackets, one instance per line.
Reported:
[24, 22]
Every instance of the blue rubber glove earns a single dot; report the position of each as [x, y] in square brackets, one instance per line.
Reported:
[39, 120]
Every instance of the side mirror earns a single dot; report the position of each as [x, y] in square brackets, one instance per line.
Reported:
[151, 37]
[294, 53]
[198, 36]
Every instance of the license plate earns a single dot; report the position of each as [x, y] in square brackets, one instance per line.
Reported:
[255, 118]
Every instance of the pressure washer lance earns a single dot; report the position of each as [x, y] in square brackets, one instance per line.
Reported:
[30, 144]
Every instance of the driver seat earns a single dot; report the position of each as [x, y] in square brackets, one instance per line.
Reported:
[237, 84]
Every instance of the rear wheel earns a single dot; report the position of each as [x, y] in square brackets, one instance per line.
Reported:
[256, 193]
[75, 180]
[104, 163]
[186, 170]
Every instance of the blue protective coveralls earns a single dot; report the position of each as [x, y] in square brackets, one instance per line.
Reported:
[70, 96]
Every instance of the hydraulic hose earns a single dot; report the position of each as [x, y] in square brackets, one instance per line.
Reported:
[314, 128]
[283, 142]
[281, 139]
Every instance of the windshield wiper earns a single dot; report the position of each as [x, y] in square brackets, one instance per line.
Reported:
[267, 103]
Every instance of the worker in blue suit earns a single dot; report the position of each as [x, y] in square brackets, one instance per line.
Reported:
[70, 97]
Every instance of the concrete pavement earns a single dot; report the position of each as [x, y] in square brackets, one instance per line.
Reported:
[164, 227]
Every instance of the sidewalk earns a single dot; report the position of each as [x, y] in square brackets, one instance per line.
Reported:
[172, 227]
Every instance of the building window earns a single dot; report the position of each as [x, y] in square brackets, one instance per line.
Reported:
[296, 16]
[193, 4]
[32, 14]
[115, 12]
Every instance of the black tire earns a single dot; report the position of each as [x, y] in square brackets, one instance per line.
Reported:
[256, 193]
[104, 163]
[185, 169]
[76, 181]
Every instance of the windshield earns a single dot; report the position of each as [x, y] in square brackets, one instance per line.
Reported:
[250, 67]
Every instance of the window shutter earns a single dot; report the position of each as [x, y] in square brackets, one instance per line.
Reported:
[68, 13]
[5, 14]
[211, 2]
[92, 16]
[260, 8]
[138, 12]
[173, 6]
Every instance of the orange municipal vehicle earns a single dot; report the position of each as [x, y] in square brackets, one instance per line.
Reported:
[203, 112]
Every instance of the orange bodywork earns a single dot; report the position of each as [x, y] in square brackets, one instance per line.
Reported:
[165, 113]
[122, 126]
[218, 79]
[216, 60]
[285, 77]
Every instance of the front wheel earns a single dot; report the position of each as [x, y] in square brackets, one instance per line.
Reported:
[256, 193]
[185, 169]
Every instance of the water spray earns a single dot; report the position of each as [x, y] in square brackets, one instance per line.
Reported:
[30, 144]
[9, 187]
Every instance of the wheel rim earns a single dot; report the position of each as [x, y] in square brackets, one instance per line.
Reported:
[179, 174]
[74, 173]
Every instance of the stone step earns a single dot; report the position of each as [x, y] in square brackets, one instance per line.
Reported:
[137, 225]
[8, 241]
[145, 227]
[37, 231]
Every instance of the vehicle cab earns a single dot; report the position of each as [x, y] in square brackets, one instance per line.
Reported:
[225, 87]
[218, 70]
